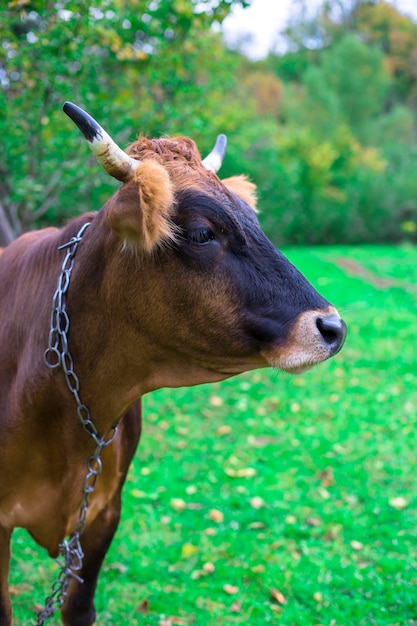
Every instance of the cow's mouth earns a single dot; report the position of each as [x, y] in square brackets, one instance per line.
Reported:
[298, 370]
[315, 337]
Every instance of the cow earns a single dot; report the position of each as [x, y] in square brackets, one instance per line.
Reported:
[171, 283]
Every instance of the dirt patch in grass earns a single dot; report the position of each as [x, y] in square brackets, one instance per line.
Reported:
[353, 268]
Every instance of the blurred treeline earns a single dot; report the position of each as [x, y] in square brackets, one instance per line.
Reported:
[327, 129]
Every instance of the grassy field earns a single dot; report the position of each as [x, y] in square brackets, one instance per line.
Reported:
[271, 499]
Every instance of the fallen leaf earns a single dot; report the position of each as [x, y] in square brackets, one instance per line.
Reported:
[256, 525]
[398, 503]
[327, 477]
[165, 622]
[143, 607]
[188, 550]
[137, 493]
[16, 590]
[231, 589]
[216, 516]
[224, 430]
[209, 567]
[172, 589]
[210, 532]
[313, 521]
[37, 608]
[262, 442]
[277, 596]
[318, 596]
[256, 502]
[356, 545]
[119, 567]
[245, 472]
[324, 493]
[216, 401]
[257, 569]
[178, 504]
[236, 607]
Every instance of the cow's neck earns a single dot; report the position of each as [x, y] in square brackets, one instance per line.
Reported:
[115, 357]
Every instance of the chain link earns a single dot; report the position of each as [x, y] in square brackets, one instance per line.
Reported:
[58, 354]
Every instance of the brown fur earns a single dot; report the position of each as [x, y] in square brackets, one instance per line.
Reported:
[140, 212]
[242, 187]
[181, 159]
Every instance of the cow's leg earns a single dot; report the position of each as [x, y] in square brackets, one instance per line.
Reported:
[78, 609]
[5, 604]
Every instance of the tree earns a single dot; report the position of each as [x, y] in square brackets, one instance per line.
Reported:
[395, 34]
[345, 155]
[134, 64]
[356, 74]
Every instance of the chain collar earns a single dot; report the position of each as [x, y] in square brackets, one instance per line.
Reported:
[58, 354]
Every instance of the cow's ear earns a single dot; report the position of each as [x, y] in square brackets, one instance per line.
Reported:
[242, 187]
[140, 211]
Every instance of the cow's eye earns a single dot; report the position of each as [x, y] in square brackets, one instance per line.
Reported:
[200, 235]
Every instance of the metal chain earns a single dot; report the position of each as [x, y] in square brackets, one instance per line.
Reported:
[58, 354]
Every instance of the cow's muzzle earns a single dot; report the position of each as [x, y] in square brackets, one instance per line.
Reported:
[315, 336]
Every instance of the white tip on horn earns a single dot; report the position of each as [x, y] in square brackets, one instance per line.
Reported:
[214, 160]
[112, 158]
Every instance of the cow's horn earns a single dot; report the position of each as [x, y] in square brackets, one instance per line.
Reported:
[214, 160]
[112, 158]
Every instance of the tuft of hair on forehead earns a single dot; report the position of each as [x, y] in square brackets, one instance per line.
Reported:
[167, 151]
[244, 188]
[180, 158]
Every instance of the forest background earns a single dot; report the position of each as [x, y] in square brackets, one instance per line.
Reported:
[327, 129]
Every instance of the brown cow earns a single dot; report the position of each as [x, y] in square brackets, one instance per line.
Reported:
[173, 283]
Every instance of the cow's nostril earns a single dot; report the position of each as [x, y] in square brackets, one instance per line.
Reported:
[333, 331]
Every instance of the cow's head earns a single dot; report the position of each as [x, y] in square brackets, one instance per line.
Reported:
[218, 294]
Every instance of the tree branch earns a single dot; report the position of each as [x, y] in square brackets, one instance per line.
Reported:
[7, 232]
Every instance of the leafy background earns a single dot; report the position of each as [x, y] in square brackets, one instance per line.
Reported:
[326, 129]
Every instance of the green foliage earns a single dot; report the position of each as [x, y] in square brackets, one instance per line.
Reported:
[347, 162]
[301, 485]
[326, 133]
[396, 35]
[135, 65]
[355, 73]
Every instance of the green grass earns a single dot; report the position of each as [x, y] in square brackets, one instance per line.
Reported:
[330, 456]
